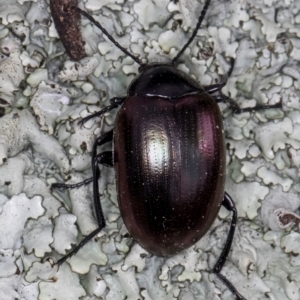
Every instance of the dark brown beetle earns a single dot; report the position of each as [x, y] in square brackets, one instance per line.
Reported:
[169, 157]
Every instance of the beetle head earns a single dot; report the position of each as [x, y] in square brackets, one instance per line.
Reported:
[149, 66]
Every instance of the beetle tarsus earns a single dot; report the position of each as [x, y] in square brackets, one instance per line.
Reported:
[259, 107]
[231, 287]
[71, 186]
[80, 245]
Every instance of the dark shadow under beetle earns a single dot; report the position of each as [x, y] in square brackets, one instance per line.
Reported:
[169, 157]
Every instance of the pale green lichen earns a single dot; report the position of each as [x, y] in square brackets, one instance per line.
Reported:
[45, 95]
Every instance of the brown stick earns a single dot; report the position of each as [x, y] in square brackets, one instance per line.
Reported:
[65, 20]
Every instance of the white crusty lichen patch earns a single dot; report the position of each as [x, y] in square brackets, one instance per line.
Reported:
[43, 96]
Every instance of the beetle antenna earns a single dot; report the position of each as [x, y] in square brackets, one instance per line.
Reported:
[201, 17]
[137, 60]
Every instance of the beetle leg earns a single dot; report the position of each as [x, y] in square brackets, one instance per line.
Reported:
[214, 87]
[229, 205]
[102, 139]
[106, 159]
[115, 102]
[210, 89]
[79, 246]
[237, 110]
[71, 186]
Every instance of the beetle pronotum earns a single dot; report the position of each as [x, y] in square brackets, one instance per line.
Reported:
[169, 140]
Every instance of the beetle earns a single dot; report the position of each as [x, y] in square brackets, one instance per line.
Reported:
[169, 157]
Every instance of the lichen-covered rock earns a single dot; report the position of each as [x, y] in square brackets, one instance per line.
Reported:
[19, 129]
[11, 70]
[17, 208]
[44, 95]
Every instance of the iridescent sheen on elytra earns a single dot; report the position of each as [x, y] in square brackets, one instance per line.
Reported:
[169, 155]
